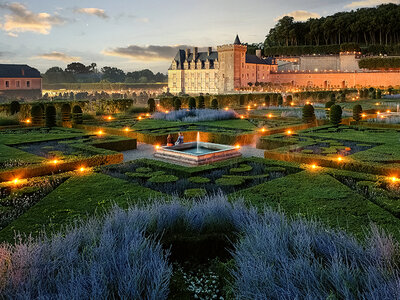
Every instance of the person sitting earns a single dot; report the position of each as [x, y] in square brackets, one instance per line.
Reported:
[169, 140]
[180, 139]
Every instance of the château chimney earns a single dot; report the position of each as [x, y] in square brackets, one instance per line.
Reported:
[209, 50]
[258, 53]
[196, 50]
[187, 53]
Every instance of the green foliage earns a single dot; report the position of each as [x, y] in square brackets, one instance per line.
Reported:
[357, 111]
[77, 114]
[332, 97]
[163, 179]
[308, 113]
[280, 100]
[198, 179]
[241, 169]
[289, 99]
[151, 104]
[201, 102]
[335, 115]
[378, 63]
[66, 112]
[37, 115]
[195, 193]
[214, 104]
[177, 103]
[192, 103]
[241, 100]
[342, 97]
[379, 94]
[144, 170]
[50, 116]
[14, 107]
[267, 100]
[230, 181]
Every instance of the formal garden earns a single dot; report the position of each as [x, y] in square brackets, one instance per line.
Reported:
[310, 208]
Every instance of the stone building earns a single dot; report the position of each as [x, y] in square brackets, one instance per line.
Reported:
[20, 82]
[223, 71]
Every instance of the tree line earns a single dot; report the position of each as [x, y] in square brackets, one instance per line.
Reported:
[77, 72]
[365, 26]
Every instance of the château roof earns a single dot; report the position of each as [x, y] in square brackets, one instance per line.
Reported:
[18, 71]
[181, 57]
[254, 59]
[237, 40]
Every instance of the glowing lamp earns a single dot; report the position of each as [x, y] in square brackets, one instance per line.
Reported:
[308, 102]
[255, 105]
[27, 121]
[242, 117]
[81, 169]
[158, 105]
[139, 118]
[126, 129]
[269, 116]
[289, 132]
[388, 111]
[313, 166]
[291, 103]
[263, 129]
[378, 112]
[340, 159]
[363, 115]
[167, 111]
[15, 181]
[109, 118]
[55, 161]
[100, 132]
[147, 115]
[226, 108]
[394, 179]
[157, 147]
[237, 146]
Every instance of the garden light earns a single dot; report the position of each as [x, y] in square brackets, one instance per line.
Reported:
[313, 166]
[388, 111]
[167, 111]
[226, 108]
[157, 147]
[109, 118]
[263, 129]
[242, 117]
[340, 159]
[81, 169]
[363, 115]
[291, 103]
[394, 179]
[55, 161]
[237, 146]
[147, 115]
[27, 121]
[289, 132]
[255, 105]
[126, 129]
[269, 116]
[100, 132]
[15, 181]
[139, 118]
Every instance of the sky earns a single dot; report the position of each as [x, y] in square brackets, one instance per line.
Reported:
[135, 35]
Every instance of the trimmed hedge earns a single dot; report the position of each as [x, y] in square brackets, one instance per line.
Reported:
[163, 179]
[195, 193]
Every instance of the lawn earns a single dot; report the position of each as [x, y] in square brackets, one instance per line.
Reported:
[78, 197]
[317, 195]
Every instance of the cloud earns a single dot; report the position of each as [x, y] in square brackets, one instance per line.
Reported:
[57, 56]
[21, 19]
[300, 15]
[366, 3]
[147, 53]
[92, 11]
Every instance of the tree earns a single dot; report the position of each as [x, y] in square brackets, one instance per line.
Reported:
[335, 115]
[14, 107]
[308, 113]
[280, 100]
[201, 102]
[50, 116]
[177, 103]
[192, 103]
[328, 106]
[214, 104]
[357, 111]
[267, 100]
[76, 68]
[113, 74]
[151, 105]
[379, 94]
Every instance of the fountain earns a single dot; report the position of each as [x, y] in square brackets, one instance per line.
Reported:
[197, 153]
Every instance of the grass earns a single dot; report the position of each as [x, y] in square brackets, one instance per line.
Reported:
[317, 195]
[78, 197]
[9, 153]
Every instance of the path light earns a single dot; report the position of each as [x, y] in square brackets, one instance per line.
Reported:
[313, 166]
[27, 121]
[139, 118]
[15, 181]
[100, 132]
[289, 132]
[363, 115]
[55, 161]
[255, 105]
[82, 169]
[378, 112]
[126, 129]
[242, 117]
[157, 147]
[291, 103]
[340, 159]
[394, 179]
[269, 116]
[388, 111]
[237, 146]
[109, 118]
[263, 129]
[226, 108]
[147, 115]
[167, 111]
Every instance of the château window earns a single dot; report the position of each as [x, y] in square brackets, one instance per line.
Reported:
[28, 84]
[17, 84]
[7, 84]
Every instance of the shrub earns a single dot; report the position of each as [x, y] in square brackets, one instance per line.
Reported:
[198, 179]
[357, 111]
[308, 113]
[379, 94]
[196, 115]
[163, 179]
[50, 116]
[77, 114]
[192, 103]
[214, 104]
[289, 99]
[66, 112]
[329, 104]
[37, 115]
[343, 97]
[335, 115]
[201, 104]
[241, 100]
[15, 107]
[151, 105]
[177, 104]
[144, 170]
[195, 193]
[138, 175]
[332, 97]
[230, 181]
[280, 100]
[267, 100]
[241, 169]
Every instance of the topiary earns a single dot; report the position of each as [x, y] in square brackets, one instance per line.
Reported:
[138, 175]
[37, 115]
[151, 104]
[241, 100]
[308, 113]
[379, 94]
[50, 116]
[275, 169]
[214, 104]
[198, 179]
[241, 169]
[77, 115]
[192, 103]
[357, 111]
[280, 100]
[332, 97]
[15, 107]
[343, 97]
[163, 179]
[66, 113]
[267, 100]
[195, 193]
[328, 106]
[335, 115]
[230, 181]
[144, 170]
[177, 104]
[201, 102]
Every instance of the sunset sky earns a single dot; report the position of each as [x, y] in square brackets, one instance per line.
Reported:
[134, 35]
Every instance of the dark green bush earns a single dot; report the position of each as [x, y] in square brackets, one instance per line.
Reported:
[335, 115]
[14, 107]
[195, 193]
[163, 179]
[332, 97]
[230, 181]
[241, 169]
[177, 104]
[267, 100]
[37, 115]
[280, 100]
[192, 103]
[151, 105]
[357, 111]
[214, 104]
[198, 179]
[308, 113]
[50, 116]
[201, 102]
[77, 115]
[144, 170]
